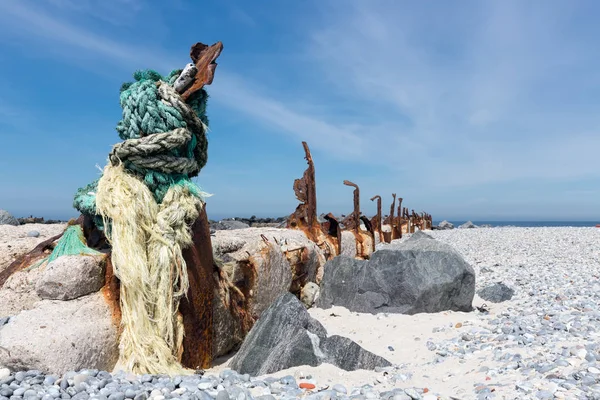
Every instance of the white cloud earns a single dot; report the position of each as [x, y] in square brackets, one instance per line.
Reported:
[457, 97]
[477, 90]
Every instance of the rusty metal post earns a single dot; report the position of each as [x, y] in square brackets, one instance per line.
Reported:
[355, 216]
[352, 222]
[399, 224]
[305, 216]
[392, 220]
[377, 218]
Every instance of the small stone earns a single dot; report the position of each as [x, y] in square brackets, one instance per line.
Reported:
[340, 388]
[413, 394]
[4, 372]
[593, 370]
[222, 395]
[33, 234]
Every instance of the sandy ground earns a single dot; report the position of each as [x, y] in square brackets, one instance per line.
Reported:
[14, 240]
[407, 335]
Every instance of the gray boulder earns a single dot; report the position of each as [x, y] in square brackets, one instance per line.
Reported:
[58, 336]
[468, 225]
[286, 336]
[229, 224]
[7, 219]
[70, 277]
[496, 293]
[445, 225]
[418, 275]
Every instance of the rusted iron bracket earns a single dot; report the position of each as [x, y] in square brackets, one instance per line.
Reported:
[204, 57]
[305, 216]
[352, 222]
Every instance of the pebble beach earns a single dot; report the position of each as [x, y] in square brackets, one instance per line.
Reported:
[543, 343]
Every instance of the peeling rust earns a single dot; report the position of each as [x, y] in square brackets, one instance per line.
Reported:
[376, 220]
[352, 222]
[112, 293]
[305, 216]
[197, 307]
[204, 57]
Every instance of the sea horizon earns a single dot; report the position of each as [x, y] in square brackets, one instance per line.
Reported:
[524, 224]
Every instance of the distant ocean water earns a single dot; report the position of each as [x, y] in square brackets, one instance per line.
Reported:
[528, 224]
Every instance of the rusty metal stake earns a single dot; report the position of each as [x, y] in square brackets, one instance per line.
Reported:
[392, 209]
[399, 223]
[377, 219]
[354, 218]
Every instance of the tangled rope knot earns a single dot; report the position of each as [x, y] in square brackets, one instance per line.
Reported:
[146, 203]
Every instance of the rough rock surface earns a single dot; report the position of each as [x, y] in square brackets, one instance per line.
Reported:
[7, 219]
[309, 294]
[468, 225]
[496, 293]
[18, 292]
[59, 336]
[70, 277]
[413, 276]
[265, 269]
[14, 240]
[286, 336]
[227, 224]
[445, 225]
[227, 328]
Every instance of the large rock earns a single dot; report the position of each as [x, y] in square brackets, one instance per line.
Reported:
[496, 293]
[18, 292]
[264, 263]
[414, 276]
[227, 326]
[58, 336]
[286, 336]
[229, 224]
[70, 277]
[445, 225]
[468, 225]
[7, 219]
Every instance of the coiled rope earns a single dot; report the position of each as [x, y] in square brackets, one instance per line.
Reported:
[146, 203]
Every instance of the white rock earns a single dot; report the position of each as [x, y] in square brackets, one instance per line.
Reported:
[70, 277]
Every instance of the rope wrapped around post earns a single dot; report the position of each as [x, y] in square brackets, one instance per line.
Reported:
[146, 203]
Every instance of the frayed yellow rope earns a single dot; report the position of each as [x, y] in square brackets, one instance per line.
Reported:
[147, 241]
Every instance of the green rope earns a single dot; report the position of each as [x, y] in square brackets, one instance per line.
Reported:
[71, 243]
[164, 139]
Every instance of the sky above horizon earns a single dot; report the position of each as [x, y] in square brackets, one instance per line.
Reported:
[468, 110]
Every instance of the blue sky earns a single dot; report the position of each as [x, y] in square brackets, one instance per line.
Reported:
[468, 110]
